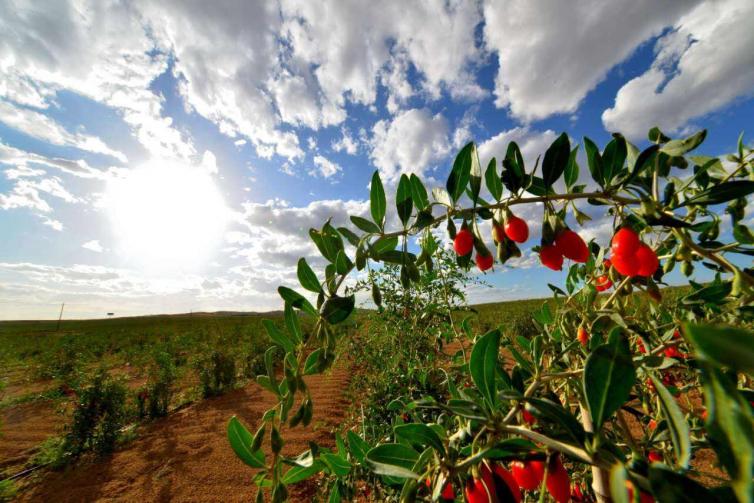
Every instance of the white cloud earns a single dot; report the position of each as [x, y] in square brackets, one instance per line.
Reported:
[324, 167]
[532, 144]
[346, 143]
[44, 128]
[93, 245]
[702, 65]
[209, 162]
[79, 168]
[409, 143]
[552, 54]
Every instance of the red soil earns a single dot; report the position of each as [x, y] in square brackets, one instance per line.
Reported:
[186, 456]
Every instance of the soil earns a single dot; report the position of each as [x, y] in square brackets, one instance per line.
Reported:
[24, 427]
[186, 456]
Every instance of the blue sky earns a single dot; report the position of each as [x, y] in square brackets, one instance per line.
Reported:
[171, 157]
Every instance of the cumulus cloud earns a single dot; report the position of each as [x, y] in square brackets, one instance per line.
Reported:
[551, 54]
[324, 167]
[532, 144]
[703, 64]
[409, 143]
[93, 245]
[346, 143]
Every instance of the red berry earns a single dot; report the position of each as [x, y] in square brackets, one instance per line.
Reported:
[516, 229]
[447, 491]
[650, 384]
[484, 262]
[528, 417]
[676, 334]
[625, 242]
[654, 457]
[627, 265]
[583, 336]
[703, 415]
[498, 234]
[572, 246]
[551, 257]
[602, 283]
[576, 494]
[672, 352]
[640, 345]
[647, 259]
[528, 474]
[607, 263]
[480, 491]
[558, 482]
[643, 497]
[505, 484]
[463, 243]
[652, 425]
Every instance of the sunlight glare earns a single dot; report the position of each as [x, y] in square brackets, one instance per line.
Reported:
[166, 215]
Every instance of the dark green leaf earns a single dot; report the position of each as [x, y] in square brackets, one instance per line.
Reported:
[420, 434]
[357, 446]
[609, 375]
[483, 365]
[364, 224]
[677, 427]
[240, 440]
[668, 485]
[385, 244]
[337, 465]
[277, 336]
[513, 175]
[722, 193]
[298, 473]
[594, 159]
[292, 323]
[727, 346]
[475, 175]
[494, 184]
[613, 158]
[306, 277]
[657, 136]
[418, 192]
[378, 203]
[459, 175]
[337, 309]
[571, 175]
[403, 200]
[676, 148]
[743, 234]
[555, 160]
[296, 300]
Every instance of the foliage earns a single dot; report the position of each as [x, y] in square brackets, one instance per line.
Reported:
[546, 395]
[217, 372]
[99, 414]
[153, 400]
[8, 491]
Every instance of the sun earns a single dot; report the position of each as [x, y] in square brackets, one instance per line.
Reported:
[166, 215]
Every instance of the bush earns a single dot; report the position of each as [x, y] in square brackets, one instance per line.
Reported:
[217, 373]
[98, 416]
[587, 395]
[153, 400]
[8, 491]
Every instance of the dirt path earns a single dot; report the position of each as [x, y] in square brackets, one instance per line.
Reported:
[186, 457]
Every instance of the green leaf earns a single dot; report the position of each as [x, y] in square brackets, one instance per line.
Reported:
[293, 324]
[475, 175]
[668, 485]
[240, 440]
[676, 148]
[657, 136]
[459, 175]
[618, 479]
[420, 434]
[609, 375]
[296, 300]
[365, 225]
[556, 159]
[403, 200]
[594, 159]
[384, 244]
[419, 192]
[725, 346]
[378, 203]
[730, 430]
[514, 173]
[571, 175]
[395, 460]
[357, 446]
[306, 277]
[311, 366]
[342, 263]
[644, 160]
[483, 365]
[277, 336]
[337, 309]
[722, 193]
[298, 473]
[677, 426]
[494, 184]
[743, 234]
[613, 158]
[337, 465]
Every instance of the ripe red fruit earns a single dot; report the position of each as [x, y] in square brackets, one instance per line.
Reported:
[607, 263]
[652, 425]
[447, 491]
[672, 352]
[647, 259]
[640, 345]
[516, 229]
[643, 497]
[504, 484]
[625, 242]
[602, 283]
[654, 457]
[528, 474]
[558, 482]
[528, 417]
[484, 262]
[463, 243]
[572, 246]
[676, 334]
[576, 494]
[551, 257]
[583, 336]
[627, 265]
[498, 234]
[480, 490]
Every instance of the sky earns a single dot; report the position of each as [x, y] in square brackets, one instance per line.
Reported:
[163, 157]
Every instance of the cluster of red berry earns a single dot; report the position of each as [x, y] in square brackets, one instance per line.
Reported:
[567, 244]
[630, 256]
[514, 228]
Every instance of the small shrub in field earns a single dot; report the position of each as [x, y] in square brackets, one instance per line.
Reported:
[253, 364]
[99, 414]
[217, 373]
[154, 400]
[8, 491]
